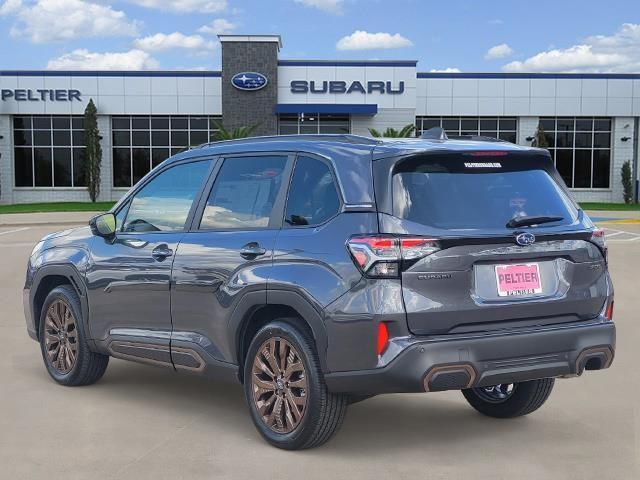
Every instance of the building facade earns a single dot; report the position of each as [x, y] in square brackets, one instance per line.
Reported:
[590, 120]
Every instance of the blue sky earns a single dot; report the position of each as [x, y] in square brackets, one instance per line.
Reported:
[469, 36]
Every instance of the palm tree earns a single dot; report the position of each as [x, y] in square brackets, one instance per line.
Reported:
[238, 132]
[406, 131]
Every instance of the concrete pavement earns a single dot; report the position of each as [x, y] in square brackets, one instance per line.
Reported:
[142, 422]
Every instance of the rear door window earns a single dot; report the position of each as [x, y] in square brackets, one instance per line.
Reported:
[313, 196]
[448, 195]
[244, 193]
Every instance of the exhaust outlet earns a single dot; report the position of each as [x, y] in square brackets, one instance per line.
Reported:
[596, 358]
[449, 377]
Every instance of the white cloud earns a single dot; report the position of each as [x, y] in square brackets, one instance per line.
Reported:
[82, 59]
[361, 40]
[62, 20]
[495, 21]
[10, 6]
[331, 6]
[219, 26]
[619, 52]
[185, 6]
[499, 51]
[445, 70]
[161, 42]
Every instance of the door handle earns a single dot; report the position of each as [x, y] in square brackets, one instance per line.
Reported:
[252, 250]
[161, 252]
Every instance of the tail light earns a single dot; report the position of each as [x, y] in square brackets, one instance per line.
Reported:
[597, 237]
[382, 256]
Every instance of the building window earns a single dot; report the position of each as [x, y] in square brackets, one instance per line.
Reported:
[48, 151]
[140, 143]
[504, 128]
[313, 123]
[581, 149]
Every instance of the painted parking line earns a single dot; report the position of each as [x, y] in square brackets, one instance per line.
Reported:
[621, 236]
[16, 230]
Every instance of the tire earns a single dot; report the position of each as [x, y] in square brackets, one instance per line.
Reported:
[82, 366]
[526, 397]
[322, 413]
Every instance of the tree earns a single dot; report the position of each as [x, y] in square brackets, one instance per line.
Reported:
[406, 131]
[540, 139]
[93, 151]
[627, 182]
[238, 132]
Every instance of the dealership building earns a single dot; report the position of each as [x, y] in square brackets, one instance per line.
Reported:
[590, 120]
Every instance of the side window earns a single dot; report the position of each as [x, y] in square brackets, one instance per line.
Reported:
[244, 192]
[313, 196]
[164, 203]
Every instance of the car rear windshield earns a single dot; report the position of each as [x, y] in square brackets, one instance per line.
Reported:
[466, 193]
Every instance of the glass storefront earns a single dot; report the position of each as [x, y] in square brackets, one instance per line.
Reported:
[504, 128]
[581, 149]
[48, 151]
[311, 123]
[142, 142]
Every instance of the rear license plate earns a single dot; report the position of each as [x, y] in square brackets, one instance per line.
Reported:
[518, 280]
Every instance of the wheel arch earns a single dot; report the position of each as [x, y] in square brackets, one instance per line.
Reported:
[250, 316]
[46, 279]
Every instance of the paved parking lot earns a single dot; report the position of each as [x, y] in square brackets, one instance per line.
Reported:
[143, 422]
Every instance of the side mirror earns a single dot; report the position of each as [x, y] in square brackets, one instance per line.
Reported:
[103, 225]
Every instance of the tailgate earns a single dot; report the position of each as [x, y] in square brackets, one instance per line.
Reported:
[459, 289]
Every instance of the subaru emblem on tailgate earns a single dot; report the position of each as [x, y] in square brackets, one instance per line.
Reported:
[525, 238]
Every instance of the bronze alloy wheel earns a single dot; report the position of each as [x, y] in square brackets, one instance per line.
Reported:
[61, 336]
[279, 385]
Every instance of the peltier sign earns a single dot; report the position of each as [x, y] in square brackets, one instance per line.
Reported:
[40, 95]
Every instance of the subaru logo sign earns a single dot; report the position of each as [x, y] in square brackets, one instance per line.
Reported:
[525, 238]
[249, 81]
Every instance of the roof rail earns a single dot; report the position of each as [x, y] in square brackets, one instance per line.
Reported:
[435, 133]
[346, 138]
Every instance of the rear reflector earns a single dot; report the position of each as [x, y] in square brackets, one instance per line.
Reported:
[383, 338]
[608, 314]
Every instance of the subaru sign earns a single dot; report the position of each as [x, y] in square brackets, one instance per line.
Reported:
[249, 81]
[338, 86]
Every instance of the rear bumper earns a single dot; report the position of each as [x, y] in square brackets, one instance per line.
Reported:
[454, 362]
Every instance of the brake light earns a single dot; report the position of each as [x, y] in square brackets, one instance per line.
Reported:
[489, 153]
[418, 247]
[383, 338]
[598, 237]
[382, 256]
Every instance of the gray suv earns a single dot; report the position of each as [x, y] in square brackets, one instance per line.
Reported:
[322, 270]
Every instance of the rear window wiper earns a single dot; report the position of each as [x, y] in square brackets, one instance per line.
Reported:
[529, 220]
